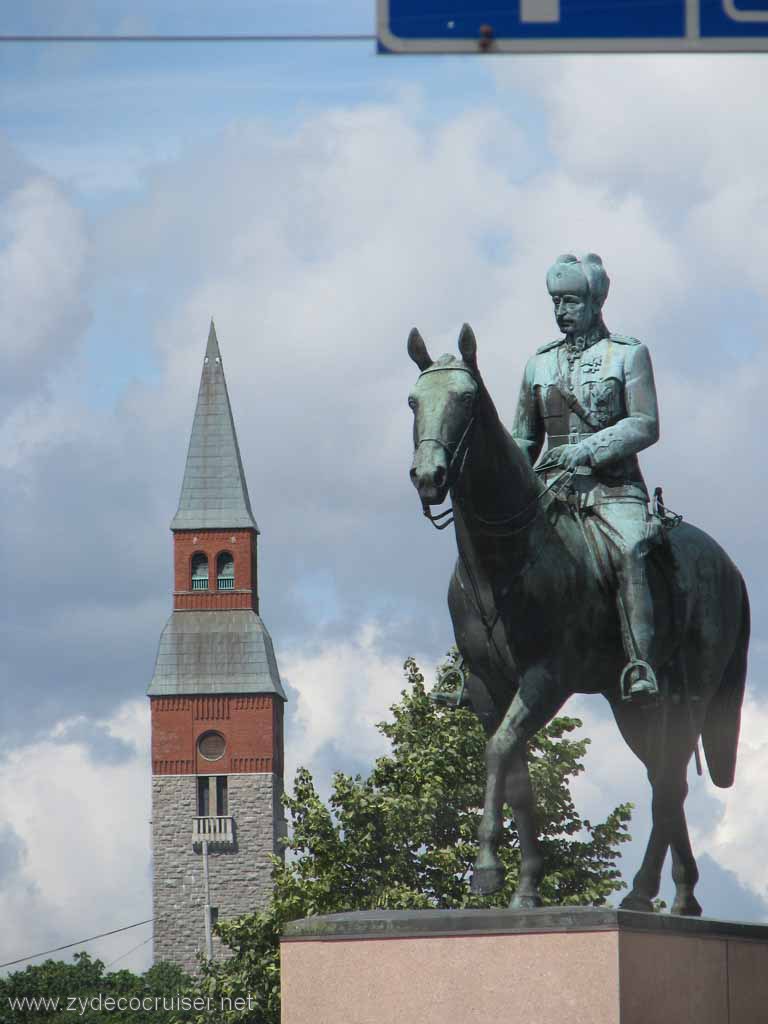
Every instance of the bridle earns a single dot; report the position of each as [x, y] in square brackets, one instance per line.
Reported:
[505, 526]
[456, 452]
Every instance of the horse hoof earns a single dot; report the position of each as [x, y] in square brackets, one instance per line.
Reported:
[637, 902]
[486, 881]
[525, 902]
[689, 907]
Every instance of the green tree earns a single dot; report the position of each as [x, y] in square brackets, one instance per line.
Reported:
[41, 993]
[405, 837]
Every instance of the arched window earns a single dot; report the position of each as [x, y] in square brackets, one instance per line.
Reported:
[225, 571]
[199, 571]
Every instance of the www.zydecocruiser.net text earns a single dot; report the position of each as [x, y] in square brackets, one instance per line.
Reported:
[80, 1005]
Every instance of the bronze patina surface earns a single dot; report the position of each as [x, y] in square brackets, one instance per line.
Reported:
[566, 582]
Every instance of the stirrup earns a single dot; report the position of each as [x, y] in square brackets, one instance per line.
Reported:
[643, 690]
[449, 689]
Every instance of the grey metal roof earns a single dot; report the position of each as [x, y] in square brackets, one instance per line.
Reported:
[204, 652]
[214, 494]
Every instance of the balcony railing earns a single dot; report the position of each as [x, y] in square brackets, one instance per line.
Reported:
[226, 582]
[213, 829]
[199, 582]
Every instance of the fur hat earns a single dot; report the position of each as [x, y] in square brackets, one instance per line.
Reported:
[587, 275]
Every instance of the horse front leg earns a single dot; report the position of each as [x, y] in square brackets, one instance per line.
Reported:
[519, 796]
[507, 774]
[488, 873]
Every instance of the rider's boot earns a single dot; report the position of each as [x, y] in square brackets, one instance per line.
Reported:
[638, 679]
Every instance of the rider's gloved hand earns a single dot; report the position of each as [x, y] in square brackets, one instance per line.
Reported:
[575, 455]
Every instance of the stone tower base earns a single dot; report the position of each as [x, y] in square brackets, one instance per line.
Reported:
[240, 874]
[550, 966]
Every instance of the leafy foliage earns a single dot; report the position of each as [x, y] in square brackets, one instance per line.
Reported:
[59, 992]
[404, 837]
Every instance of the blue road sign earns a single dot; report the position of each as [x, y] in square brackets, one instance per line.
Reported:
[571, 26]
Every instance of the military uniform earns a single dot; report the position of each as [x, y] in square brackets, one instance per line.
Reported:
[598, 390]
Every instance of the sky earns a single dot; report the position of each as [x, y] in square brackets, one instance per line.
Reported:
[318, 201]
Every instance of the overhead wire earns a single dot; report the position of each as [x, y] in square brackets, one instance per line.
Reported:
[131, 950]
[80, 942]
[587, 6]
[341, 37]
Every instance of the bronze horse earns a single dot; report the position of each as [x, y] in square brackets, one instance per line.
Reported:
[535, 624]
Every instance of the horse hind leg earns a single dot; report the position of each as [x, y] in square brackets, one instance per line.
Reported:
[685, 875]
[634, 726]
[670, 807]
[686, 727]
[669, 831]
[647, 881]
[720, 667]
[685, 871]
[639, 729]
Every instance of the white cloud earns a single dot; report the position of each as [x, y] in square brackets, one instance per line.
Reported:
[81, 827]
[738, 836]
[42, 261]
[684, 133]
[36, 425]
[342, 690]
[690, 121]
[98, 168]
[732, 226]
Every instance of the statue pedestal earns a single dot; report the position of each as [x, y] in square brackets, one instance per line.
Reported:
[559, 965]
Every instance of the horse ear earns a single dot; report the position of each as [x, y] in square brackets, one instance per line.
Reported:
[417, 350]
[468, 346]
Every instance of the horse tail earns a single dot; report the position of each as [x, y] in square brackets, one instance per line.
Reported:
[720, 734]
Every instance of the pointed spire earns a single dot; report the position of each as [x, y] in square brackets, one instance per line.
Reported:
[214, 494]
[212, 348]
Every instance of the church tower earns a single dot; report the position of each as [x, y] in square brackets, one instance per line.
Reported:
[216, 702]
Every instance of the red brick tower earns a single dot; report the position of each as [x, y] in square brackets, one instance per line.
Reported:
[216, 701]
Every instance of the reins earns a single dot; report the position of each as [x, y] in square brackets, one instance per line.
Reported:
[493, 525]
[460, 450]
[452, 459]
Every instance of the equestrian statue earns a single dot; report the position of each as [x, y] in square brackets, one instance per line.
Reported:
[566, 582]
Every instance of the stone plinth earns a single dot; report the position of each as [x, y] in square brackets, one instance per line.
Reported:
[551, 966]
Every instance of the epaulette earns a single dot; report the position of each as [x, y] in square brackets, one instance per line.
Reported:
[624, 339]
[549, 345]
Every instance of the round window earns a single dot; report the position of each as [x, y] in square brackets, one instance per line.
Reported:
[211, 746]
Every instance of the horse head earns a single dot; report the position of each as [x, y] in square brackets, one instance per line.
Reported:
[443, 400]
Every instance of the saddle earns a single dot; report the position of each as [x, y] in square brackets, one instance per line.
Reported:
[638, 682]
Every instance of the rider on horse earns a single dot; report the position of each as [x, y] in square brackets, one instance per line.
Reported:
[591, 393]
